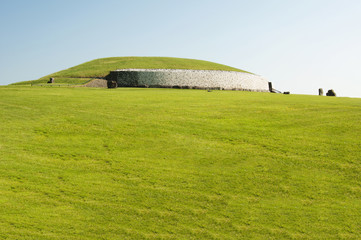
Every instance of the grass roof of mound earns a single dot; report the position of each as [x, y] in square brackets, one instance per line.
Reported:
[101, 67]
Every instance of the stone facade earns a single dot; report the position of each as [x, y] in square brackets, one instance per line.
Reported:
[100, 83]
[179, 78]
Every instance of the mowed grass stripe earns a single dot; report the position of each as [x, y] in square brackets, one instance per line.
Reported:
[183, 164]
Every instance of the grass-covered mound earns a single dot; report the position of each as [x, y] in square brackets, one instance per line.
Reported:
[80, 163]
[100, 68]
[62, 81]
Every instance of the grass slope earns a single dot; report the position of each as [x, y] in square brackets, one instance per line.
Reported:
[178, 164]
[101, 67]
[58, 81]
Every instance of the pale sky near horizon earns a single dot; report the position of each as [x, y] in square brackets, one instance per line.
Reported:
[299, 46]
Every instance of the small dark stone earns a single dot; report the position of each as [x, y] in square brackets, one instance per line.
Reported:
[286, 92]
[112, 84]
[331, 93]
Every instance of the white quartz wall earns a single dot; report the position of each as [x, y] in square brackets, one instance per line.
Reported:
[201, 78]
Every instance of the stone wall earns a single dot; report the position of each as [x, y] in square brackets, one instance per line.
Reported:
[96, 83]
[227, 80]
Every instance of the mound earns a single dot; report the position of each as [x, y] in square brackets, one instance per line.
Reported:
[100, 68]
[169, 72]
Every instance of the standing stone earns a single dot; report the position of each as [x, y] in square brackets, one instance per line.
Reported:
[320, 92]
[51, 80]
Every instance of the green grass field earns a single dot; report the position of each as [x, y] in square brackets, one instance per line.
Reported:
[99, 68]
[126, 163]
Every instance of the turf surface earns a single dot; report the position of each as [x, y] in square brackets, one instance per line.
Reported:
[61, 81]
[80, 163]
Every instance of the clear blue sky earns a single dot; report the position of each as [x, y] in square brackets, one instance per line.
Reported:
[300, 46]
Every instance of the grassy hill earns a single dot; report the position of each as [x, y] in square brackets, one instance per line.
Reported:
[101, 67]
[80, 163]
